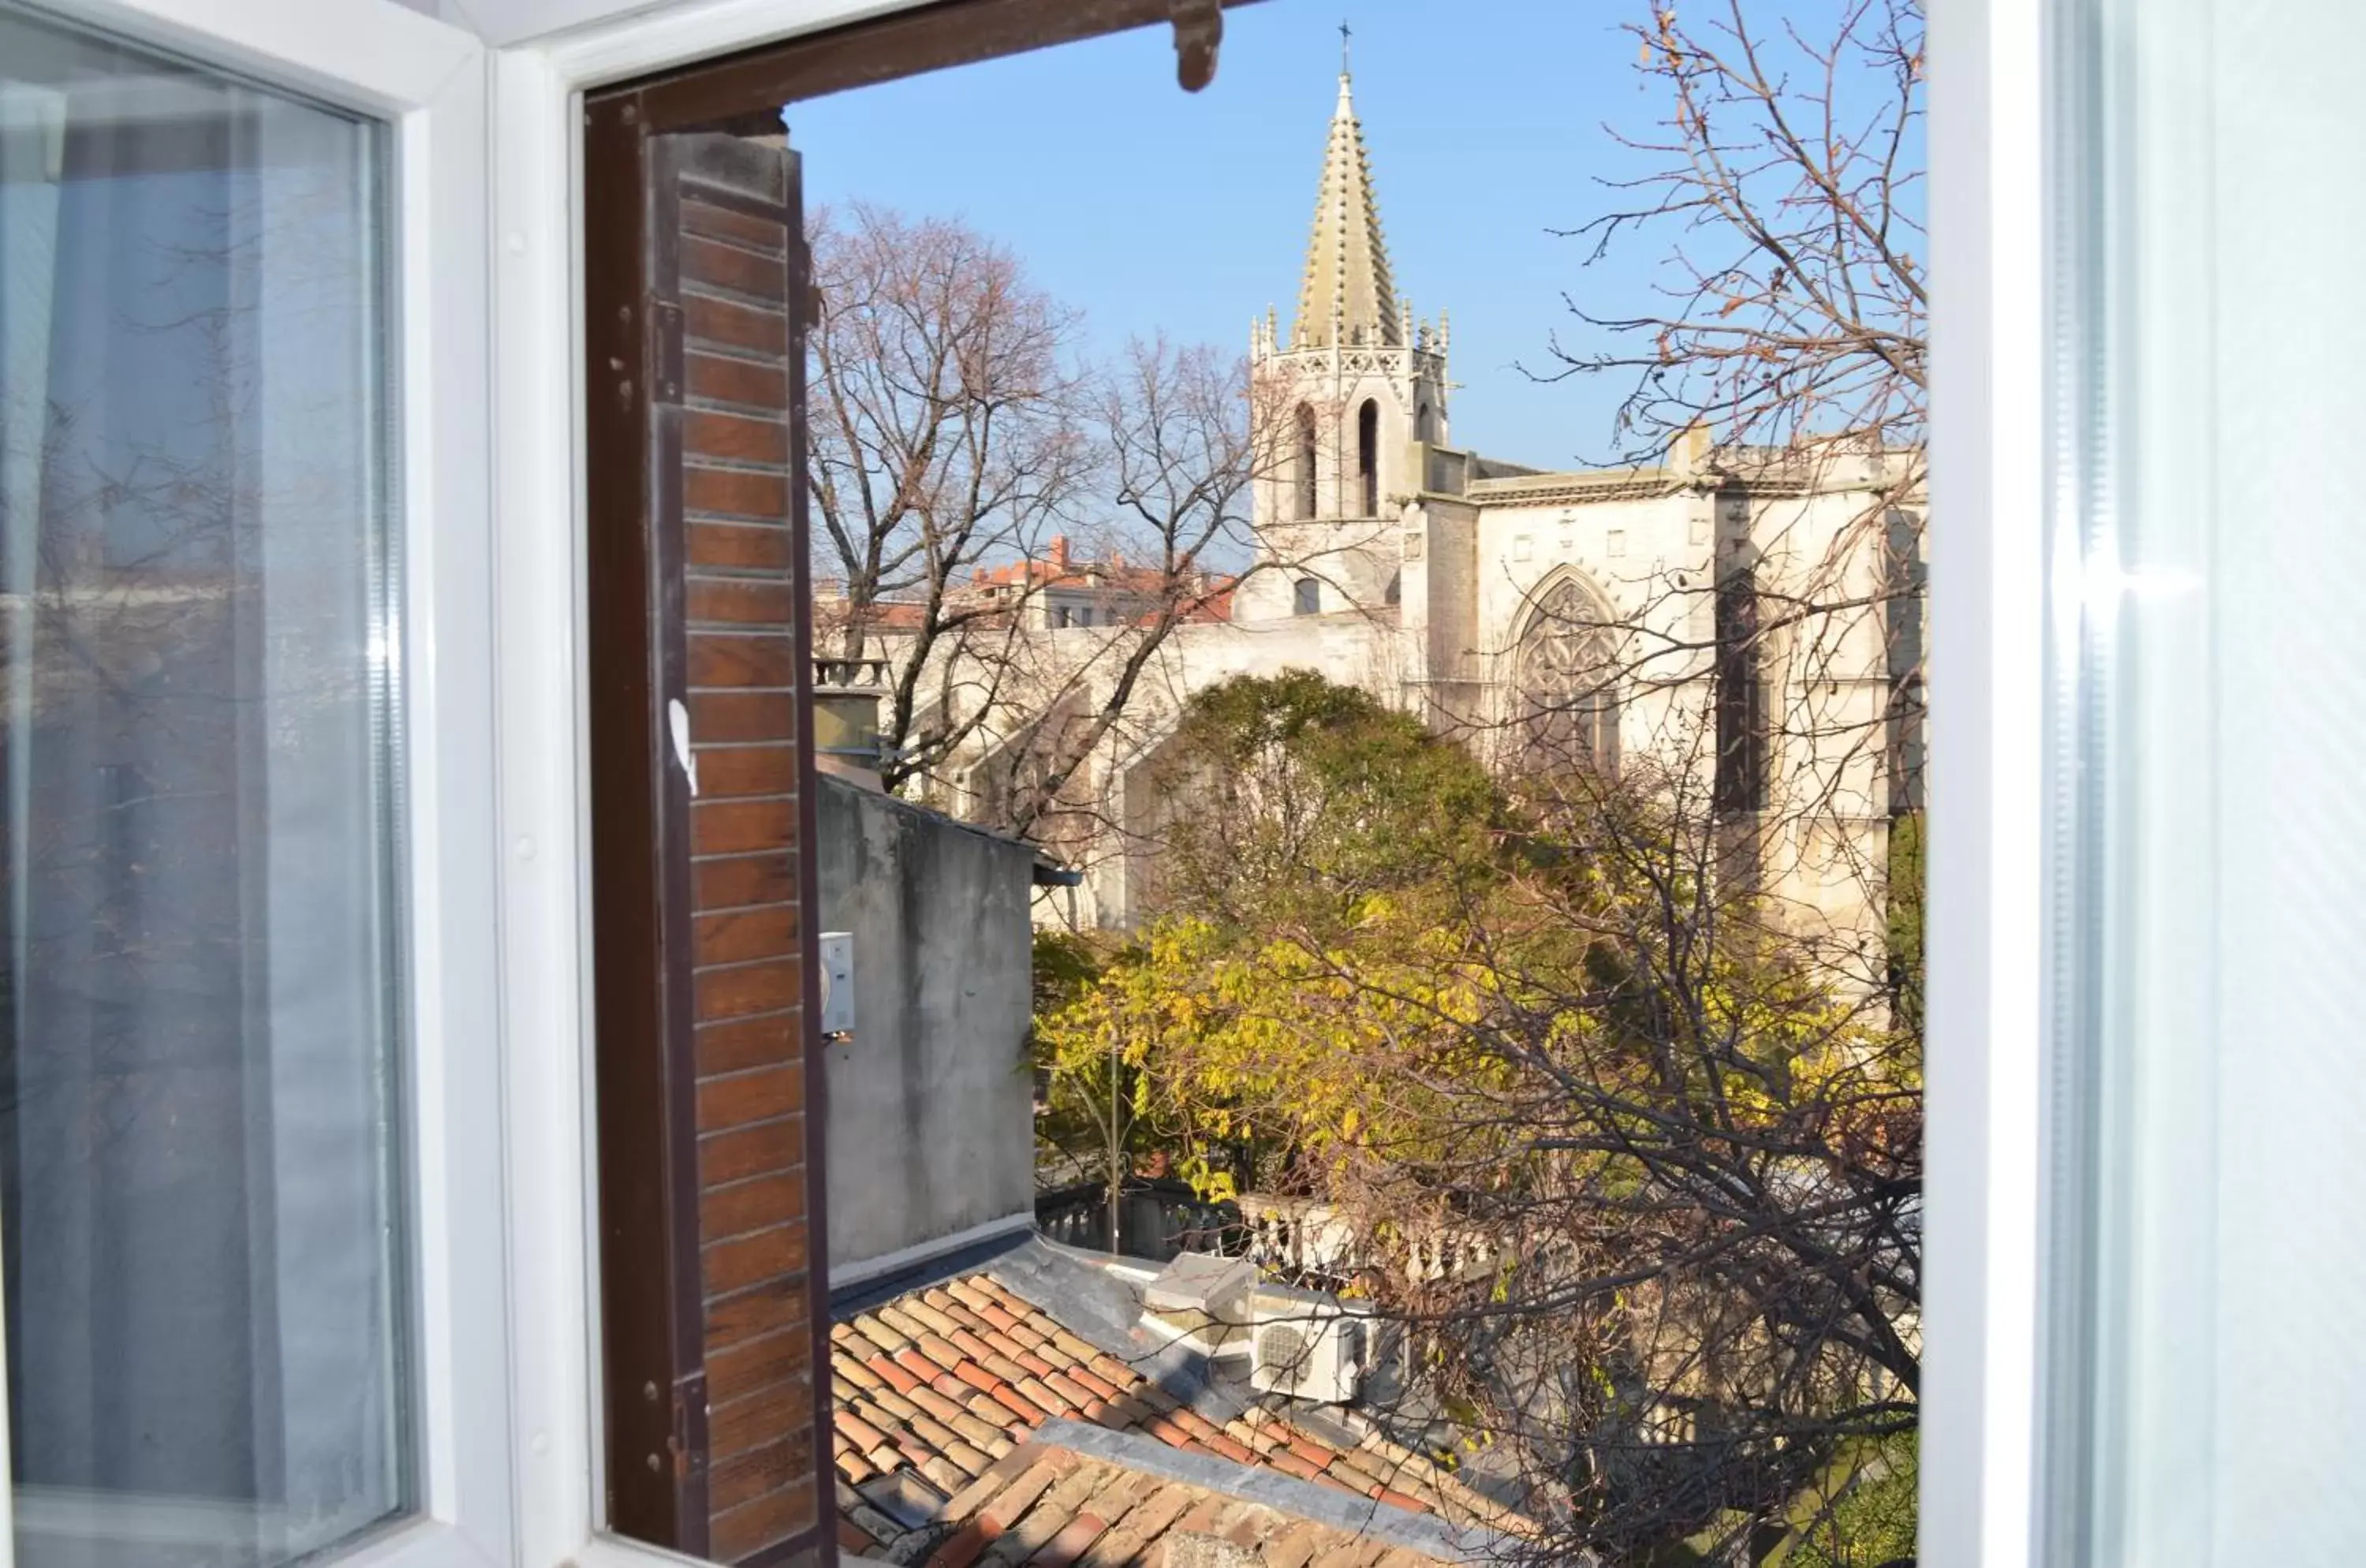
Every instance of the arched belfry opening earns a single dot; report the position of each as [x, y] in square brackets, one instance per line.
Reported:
[1367, 457]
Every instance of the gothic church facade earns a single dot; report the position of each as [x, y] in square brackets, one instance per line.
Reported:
[1618, 617]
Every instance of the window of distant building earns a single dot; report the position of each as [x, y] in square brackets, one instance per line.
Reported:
[1567, 683]
[1306, 597]
[1740, 696]
[1303, 470]
[1368, 455]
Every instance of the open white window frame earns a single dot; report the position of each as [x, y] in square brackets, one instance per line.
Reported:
[1992, 124]
[506, 1375]
[428, 82]
[539, 380]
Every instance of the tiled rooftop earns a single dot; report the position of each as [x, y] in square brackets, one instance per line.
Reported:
[1048, 1503]
[939, 1387]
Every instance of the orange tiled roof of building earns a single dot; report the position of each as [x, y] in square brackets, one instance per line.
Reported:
[945, 1382]
[1046, 1503]
[1217, 605]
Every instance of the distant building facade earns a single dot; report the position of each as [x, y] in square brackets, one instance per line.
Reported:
[1618, 619]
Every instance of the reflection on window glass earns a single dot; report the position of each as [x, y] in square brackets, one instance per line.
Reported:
[198, 1028]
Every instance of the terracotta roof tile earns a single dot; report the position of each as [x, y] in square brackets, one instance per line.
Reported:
[1074, 1392]
[1074, 1538]
[877, 1331]
[949, 1384]
[1011, 1399]
[1141, 1528]
[1051, 1403]
[1291, 1464]
[894, 1403]
[965, 1547]
[1199, 1519]
[890, 1373]
[1006, 1507]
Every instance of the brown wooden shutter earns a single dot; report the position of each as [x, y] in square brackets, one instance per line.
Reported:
[713, 1303]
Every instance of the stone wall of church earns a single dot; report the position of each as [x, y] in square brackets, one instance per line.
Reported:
[1351, 563]
[1473, 569]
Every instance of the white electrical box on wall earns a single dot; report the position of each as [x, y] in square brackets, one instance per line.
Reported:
[837, 983]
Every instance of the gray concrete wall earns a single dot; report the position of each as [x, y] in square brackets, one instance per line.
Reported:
[932, 1106]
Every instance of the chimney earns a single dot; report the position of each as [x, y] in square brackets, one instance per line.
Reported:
[1060, 552]
[846, 718]
[1688, 455]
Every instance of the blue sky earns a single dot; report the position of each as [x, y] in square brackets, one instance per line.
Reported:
[1148, 207]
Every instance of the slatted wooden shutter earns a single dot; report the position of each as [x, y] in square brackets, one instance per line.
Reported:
[702, 804]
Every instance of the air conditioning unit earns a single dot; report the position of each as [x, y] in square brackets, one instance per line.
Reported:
[1307, 1347]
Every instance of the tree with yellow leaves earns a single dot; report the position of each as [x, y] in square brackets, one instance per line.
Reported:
[1682, 1174]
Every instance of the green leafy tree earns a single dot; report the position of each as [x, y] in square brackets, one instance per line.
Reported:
[1302, 797]
[1673, 1177]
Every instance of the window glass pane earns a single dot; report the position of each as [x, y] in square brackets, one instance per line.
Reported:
[198, 1014]
[2208, 1394]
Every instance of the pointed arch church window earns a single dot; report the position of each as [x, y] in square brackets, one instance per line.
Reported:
[1368, 455]
[1304, 463]
[1566, 685]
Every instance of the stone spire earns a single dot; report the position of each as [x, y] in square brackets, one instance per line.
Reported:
[1345, 296]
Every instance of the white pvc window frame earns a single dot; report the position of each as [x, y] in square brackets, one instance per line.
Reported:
[1989, 187]
[427, 81]
[504, 1206]
[545, 932]
[1992, 180]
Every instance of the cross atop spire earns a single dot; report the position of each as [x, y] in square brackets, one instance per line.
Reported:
[1345, 296]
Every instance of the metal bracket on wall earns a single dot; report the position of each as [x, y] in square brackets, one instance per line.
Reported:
[1199, 29]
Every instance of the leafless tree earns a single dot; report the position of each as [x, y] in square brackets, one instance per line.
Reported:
[1690, 1167]
[1696, 1159]
[1180, 443]
[1789, 183]
[1778, 367]
[1639, 1187]
[945, 410]
[974, 474]
[1673, 1128]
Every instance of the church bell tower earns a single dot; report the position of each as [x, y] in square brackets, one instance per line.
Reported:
[1344, 406]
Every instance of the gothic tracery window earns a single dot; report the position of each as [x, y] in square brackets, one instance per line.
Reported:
[1566, 684]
